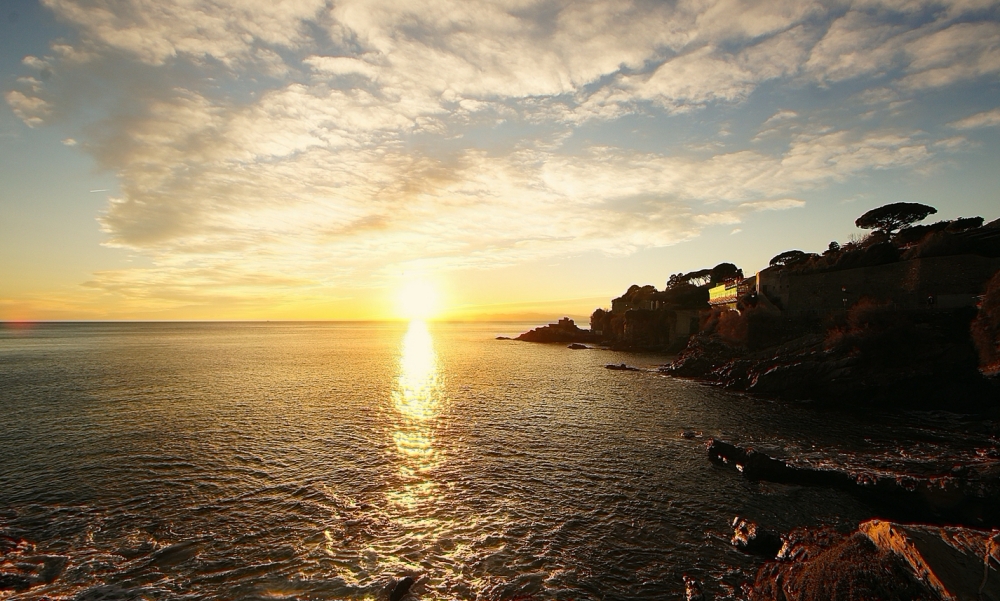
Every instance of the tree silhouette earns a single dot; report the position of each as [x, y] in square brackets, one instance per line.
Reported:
[787, 258]
[695, 278]
[889, 218]
[725, 271]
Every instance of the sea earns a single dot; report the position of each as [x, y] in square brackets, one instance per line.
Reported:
[299, 460]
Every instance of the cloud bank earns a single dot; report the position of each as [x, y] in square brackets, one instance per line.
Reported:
[349, 141]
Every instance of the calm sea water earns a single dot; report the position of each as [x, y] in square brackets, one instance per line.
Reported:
[322, 460]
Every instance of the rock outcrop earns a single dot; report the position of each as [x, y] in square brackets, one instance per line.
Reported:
[563, 331]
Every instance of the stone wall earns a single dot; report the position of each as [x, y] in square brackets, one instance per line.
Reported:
[661, 328]
[951, 281]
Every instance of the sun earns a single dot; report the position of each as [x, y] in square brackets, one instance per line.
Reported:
[418, 299]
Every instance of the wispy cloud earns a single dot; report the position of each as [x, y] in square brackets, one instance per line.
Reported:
[984, 119]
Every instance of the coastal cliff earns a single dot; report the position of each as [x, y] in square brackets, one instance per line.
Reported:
[873, 354]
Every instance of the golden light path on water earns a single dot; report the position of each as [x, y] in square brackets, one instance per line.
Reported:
[419, 505]
[417, 399]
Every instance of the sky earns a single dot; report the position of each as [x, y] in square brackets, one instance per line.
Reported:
[317, 159]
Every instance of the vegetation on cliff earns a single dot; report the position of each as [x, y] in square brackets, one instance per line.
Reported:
[986, 327]
[966, 235]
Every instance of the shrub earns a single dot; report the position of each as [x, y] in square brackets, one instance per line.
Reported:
[726, 324]
[986, 326]
[965, 223]
[875, 330]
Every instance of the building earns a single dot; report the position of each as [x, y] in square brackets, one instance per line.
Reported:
[729, 292]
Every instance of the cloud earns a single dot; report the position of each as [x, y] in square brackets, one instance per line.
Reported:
[780, 204]
[155, 31]
[854, 45]
[782, 115]
[337, 141]
[989, 118]
[341, 65]
[30, 109]
[959, 52]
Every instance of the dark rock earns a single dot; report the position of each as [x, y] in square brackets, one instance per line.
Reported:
[53, 567]
[972, 499]
[576, 346]
[15, 582]
[9, 543]
[751, 539]
[401, 588]
[177, 553]
[503, 338]
[692, 589]
[621, 367]
[690, 434]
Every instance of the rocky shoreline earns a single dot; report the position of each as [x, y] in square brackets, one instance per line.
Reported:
[935, 537]
[899, 321]
[930, 534]
[967, 495]
[914, 361]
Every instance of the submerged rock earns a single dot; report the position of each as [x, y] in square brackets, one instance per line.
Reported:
[692, 589]
[177, 553]
[576, 346]
[15, 582]
[751, 539]
[621, 367]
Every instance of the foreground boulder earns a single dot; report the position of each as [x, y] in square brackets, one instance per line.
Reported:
[882, 560]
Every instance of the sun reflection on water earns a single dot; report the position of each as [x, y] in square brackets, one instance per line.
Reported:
[417, 399]
[420, 504]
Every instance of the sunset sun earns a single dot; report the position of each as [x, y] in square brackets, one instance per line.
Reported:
[418, 299]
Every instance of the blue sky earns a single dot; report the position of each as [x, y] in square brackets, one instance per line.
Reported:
[218, 159]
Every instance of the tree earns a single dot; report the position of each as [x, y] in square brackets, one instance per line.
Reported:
[694, 278]
[788, 257]
[725, 271]
[889, 218]
[986, 327]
